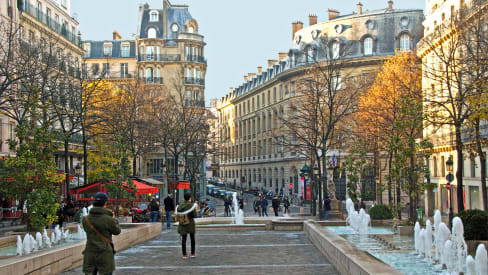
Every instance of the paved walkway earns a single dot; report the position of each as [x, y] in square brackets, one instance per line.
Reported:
[225, 252]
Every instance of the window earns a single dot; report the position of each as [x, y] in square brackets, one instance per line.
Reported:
[405, 42]
[63, 3]
[191, 30]
[107, 49]
[154, 16]
[151, 33]
[310, 55]
[443, 166]
[473, 168]
[48, 17]
[149, 75]
[95, 69]
[149, 53]
[124, 70]
[106, 69]
[125, 50]
[435, 167]
[335, 50]
[368, 46]
[87, 48]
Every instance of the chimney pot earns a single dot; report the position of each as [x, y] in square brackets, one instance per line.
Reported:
[282, 56]
[312, 19]
[360, 8]
[390, 5]
[260, 70]
[333, 14]
[116, 35]
[293, 30]
[271, 62]
[245, 78]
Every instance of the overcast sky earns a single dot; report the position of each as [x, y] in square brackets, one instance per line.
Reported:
[240, 34]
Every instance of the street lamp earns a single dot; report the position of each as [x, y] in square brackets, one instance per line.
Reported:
[197, 175]
[449, 178]
[78, 172]
[305, 173]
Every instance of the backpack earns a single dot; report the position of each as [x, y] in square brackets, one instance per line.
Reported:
[183, 219]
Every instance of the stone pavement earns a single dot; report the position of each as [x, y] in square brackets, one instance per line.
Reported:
[225, 252]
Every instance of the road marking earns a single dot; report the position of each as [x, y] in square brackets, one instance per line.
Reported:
[226, 246]
[186, 267]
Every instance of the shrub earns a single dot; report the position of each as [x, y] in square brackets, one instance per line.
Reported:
[475, 224]
[380, 212]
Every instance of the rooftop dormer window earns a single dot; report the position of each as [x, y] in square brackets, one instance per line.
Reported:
[107, 49]
[154, 16]
[151, 33]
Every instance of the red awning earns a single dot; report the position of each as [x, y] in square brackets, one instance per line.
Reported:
[144, 188]
[183, 185]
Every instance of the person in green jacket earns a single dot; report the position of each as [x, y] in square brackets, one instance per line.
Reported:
[186, 213]
[99, 226]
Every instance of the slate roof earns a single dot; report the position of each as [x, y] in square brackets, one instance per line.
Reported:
[96, 48]
[178, 15]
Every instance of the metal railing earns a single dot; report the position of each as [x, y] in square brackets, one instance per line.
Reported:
[196, 58]
[159, 57]
[196, 81]
[52, 24]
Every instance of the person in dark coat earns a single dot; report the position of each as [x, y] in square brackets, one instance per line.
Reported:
[60, 214]
[257, 206]
[326, 207]
[227, 206]
[99, 253]
[241, 204]
[264, 206]
[169, 207]
[275, 203]
[286, 205]
[186, 214]
[154, 207]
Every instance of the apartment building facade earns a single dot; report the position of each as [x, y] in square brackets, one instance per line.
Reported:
[253, 152]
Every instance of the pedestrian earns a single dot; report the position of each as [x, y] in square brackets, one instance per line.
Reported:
[264, 206]
[60, 214]
[154, 207]
[169, 207]
[286, 205]
[326, 207]
[275, 203]
[185, 214]
[227, 206]
[241, 204]
[257, 206]
[99, 226]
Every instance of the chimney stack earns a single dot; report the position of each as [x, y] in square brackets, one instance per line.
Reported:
[293, 30]
[299, 25]
[390, 5]
[116, 35]
[312, 19]
[333, 14]
[271, 62]
[245, 78]
[260, 70]
[360, 8]
[282, 56]
[250, 76]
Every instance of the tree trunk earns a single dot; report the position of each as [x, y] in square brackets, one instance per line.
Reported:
[85, 158]
[390, 195]
[411, 185]
[398, 199]
[66, 167]
[134, 165]
[460, 168]
[482, 156]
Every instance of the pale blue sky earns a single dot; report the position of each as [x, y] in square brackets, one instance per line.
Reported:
[240, 34]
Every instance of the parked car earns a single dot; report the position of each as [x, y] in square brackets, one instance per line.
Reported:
[215, 192]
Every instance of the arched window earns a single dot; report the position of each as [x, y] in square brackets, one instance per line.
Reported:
[310, 54]
[154, 16]
[191, 30]
[151, 33]
[405, 42]
[149, 75]
[368, 46]
[335, 50]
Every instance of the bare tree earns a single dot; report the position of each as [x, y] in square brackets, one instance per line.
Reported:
[326, 96]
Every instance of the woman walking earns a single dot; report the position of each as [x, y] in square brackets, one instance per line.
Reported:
[185, 214]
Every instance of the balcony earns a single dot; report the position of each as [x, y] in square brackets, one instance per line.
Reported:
[153, 80]
[159, 57]
[194, 81]
[195, 103]
[52, 24]
[196, 58]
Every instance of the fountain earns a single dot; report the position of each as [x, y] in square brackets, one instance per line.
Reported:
[470, 266]
[46, 239]
[359, 222]
[26, 244]
[481, 261]
[459, 245]
[442, 234]
[237, 213]
[416, 239]
[39, 240]
[20, 247]
[428, 241]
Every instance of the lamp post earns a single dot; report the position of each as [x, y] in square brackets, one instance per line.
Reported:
[197, 175]
[78, 171]
[449, 178]
[314, 191]
[306, 173]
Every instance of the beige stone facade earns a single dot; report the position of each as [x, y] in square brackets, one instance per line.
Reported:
[253, 152]
[438, 16]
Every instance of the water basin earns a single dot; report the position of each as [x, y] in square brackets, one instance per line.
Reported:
[346, 230]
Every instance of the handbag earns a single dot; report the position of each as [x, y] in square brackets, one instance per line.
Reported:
[105, 239]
